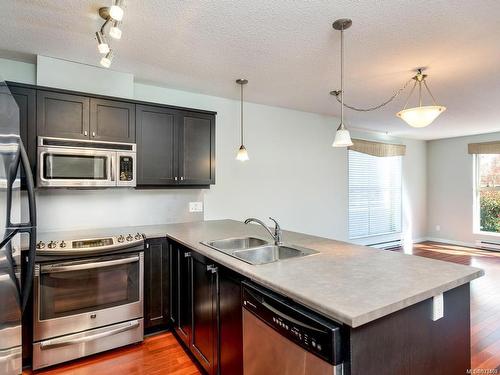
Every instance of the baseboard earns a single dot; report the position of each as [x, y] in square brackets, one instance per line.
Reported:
[451, 242]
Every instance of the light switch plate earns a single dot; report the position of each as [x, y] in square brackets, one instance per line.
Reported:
[437, 307]
[195, 206]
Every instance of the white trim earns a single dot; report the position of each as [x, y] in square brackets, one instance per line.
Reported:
[451, 242]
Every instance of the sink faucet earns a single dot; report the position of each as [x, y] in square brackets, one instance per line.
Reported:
[277, 236]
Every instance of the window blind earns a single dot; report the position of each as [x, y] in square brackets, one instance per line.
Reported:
[374, 195]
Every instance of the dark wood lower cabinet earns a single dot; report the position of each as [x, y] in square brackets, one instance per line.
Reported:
[156, 284]
[204, 339]
[205, 313]
[230, 323]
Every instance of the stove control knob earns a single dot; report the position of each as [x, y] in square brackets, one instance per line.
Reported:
[52, 244]
[62, 244]
[40, 245]
[138, 236]
[121, 238]
[129, 237]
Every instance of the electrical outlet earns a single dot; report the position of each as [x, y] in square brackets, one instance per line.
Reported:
[438, 228]
[437, 307]
[195, 206]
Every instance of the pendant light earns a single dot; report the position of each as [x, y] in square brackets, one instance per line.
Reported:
[421, 116]
[242, 151]
[342, 136]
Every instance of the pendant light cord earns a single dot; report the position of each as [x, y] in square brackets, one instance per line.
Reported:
[342, 78]
[241, 112]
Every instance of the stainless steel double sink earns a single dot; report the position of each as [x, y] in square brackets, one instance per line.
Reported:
[257, 251]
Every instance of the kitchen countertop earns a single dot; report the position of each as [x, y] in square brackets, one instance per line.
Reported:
[350, 283]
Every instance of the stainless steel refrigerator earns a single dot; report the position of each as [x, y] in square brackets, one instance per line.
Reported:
[18, 233]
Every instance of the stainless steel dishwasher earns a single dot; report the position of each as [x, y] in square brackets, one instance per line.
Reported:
[281, 337]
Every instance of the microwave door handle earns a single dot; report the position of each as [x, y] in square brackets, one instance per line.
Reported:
[86, 266]
[112, 167]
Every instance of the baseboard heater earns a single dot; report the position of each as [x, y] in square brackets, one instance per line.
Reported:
[488, 245]
[387, 245]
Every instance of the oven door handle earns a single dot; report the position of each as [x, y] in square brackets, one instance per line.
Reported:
[85, 266]
[48, 344]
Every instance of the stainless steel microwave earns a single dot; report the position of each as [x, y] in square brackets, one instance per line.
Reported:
[82, 163]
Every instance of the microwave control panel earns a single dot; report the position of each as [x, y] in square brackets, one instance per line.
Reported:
[126, 168]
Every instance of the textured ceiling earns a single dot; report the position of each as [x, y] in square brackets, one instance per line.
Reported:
[289, 52]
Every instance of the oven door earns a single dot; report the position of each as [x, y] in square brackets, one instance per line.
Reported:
[71, 297]
[73, 167]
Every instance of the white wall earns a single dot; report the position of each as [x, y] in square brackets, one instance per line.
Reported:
[293, 174]
[450, 189]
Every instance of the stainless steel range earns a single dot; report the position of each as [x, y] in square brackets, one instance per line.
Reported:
[87, 297]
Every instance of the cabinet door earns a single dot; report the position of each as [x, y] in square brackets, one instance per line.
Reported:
[173, 253]
[156, 284]
[112, 121]
[231, 323]
[156, 136]
[26, 101]
[197, 149]
[62, 115]
[205, 292]
[184, 319]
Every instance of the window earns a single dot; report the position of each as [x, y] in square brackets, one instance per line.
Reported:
[488, 193]
[374, 195]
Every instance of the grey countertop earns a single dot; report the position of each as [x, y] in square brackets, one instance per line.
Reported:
[349, 283]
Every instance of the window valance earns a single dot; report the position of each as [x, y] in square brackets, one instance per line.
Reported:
[377, 148]
[485, 148]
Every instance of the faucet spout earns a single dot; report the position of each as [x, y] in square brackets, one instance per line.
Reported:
[277, 235]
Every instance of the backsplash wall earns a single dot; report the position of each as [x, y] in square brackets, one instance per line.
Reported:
[65, 209]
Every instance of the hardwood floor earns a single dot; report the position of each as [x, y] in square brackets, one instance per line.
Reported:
[158, 354]
[162, 354]
[485, 298]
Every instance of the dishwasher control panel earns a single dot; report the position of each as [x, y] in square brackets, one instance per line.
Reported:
[293, 321]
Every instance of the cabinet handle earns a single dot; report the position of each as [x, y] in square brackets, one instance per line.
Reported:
[85, 133]
[93, 134]
[182, 178]
[212, 268]
[175, 178]
[187, 254]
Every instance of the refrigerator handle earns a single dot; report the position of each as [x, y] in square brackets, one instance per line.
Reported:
[29, 227]
[22, 158]
[30, 186]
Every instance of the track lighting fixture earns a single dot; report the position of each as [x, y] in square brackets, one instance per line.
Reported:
[106, 60]
[115, 32]
[112, 15]
[116, 10]
[102, 43]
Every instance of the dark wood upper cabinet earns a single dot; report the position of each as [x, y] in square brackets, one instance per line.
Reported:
[197, 149]
[112, 121]
[156, 284]
[26, 101]
[62, 115]
[157, 146]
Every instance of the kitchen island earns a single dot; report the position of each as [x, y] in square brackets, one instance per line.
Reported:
[384, 300]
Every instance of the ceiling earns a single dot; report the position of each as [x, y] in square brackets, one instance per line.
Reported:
[289, 52]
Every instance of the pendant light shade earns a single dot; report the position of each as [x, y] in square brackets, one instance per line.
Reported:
[421, 116]
[242, 154]
[342, 136]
